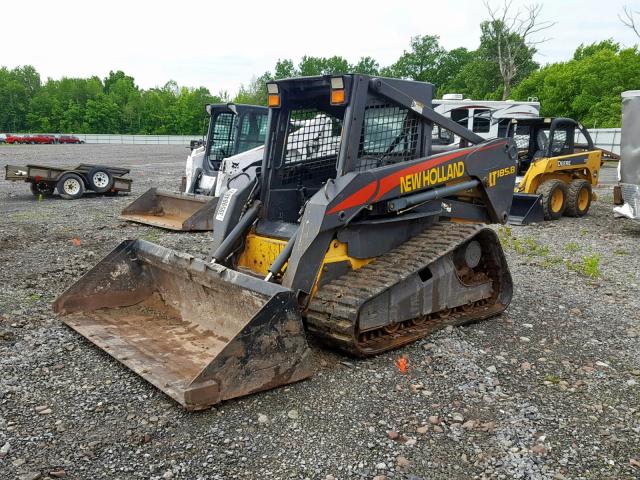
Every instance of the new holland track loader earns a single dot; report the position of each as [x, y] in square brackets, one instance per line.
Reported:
[233, 129]
[555, 175]
[354, 233]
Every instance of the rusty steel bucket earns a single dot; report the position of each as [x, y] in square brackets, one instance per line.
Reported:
[202, 333]
[185, 212]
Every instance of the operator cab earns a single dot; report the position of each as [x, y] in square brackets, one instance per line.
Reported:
[233, 129]
[306, 147]
[539, 137]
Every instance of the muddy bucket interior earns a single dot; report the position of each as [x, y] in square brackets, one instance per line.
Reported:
[526, 209]
[173, 211]
[201, 333]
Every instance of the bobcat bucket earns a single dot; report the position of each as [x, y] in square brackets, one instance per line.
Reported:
[202, 333]
[185, 212]
[526, 209]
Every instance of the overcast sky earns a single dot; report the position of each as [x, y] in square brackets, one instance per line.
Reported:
[220, 45]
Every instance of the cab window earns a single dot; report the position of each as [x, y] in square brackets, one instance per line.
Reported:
[461, 116]
[223, 136]
[481, 120]
[253, 131]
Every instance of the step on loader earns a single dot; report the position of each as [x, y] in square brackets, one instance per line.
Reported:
[233, 129]
[556, 175]
[354, 233]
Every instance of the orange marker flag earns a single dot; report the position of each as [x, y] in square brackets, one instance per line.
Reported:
[76, 242]
[402, 363]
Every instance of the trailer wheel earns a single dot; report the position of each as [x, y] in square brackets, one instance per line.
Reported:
[578, 198]
[41, 188]
[554, 198]
[70, 186]
[100, 180]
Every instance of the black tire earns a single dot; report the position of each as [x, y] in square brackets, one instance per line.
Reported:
[70, 186]
[100, 180]
[554, 198]
[578, 198]
[41, 188]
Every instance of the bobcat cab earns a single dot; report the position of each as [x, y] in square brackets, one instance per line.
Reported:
[236, 132]
[555, 176]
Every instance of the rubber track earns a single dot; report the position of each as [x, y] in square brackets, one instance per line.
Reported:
[333, 312]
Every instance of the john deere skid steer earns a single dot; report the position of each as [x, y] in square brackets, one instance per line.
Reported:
[555, 174]
[357, 235]
[233, 129]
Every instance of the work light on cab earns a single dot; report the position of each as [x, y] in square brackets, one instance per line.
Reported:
[273, 95]
[337, 91]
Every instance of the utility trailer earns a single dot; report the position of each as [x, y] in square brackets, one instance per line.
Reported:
[70, 183]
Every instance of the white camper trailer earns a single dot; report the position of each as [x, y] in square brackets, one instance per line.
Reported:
[480, 116]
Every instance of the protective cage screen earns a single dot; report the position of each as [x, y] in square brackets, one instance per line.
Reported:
[389, 135]
[559, 143]
[312, 145]
[521, 137]
[223, 137]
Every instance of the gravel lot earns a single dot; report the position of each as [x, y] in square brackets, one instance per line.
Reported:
[548, 390]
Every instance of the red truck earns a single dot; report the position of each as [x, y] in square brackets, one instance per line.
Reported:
[13, 139]
[69, 139]
[42, 139]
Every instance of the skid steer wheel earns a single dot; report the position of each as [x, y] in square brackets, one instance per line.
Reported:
[70, 186]
[41, 188]
[554, 198]
[100, 180]
[578, 198]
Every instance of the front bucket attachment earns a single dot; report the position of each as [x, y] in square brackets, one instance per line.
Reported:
[174, 211]
[201, 333]
[525, 209]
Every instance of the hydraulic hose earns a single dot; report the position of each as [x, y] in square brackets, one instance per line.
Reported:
[245, 222]
[398, 204]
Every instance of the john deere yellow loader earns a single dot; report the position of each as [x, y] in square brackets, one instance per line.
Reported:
[236, 131]
[556, 176]
[354, 233]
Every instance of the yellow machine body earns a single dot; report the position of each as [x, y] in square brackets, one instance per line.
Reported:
[560, 168]
[260, 252]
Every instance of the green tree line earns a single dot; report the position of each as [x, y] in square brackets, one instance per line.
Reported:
[587, 87]
[114, 104]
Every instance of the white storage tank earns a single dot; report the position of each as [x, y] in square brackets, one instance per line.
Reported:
[629, 168]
